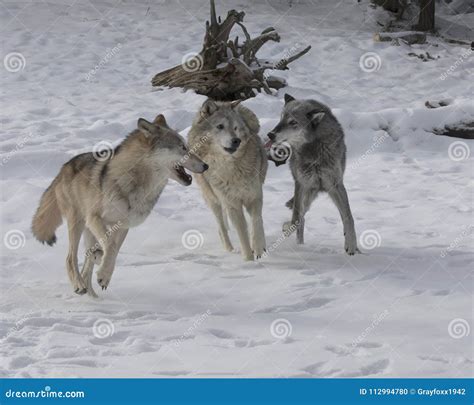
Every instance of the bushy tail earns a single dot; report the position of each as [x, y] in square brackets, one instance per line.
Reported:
[47, 217]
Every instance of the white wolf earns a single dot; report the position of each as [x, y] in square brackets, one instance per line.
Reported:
[225, 135]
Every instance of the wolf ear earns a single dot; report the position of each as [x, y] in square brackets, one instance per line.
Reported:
[160, 120]
[145, 126]
[315, 117]
[235, 103]
[208, 108]
[288, 98]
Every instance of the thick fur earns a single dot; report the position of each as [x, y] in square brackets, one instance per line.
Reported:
[104, 198]
[317, 162]
[236, 174]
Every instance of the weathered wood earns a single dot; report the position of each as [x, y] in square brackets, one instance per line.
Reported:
[410, 37]
[461, 130]
[224, 69]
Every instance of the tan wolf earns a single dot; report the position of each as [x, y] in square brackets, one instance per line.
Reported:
[225, 135]
[103, 198]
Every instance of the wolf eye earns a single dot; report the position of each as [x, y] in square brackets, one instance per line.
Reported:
[235, 128]
[292, 122]
[220, 126]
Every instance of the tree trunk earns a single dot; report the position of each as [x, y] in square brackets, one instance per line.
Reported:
[426, 20]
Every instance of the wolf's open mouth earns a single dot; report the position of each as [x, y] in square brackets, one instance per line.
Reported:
[185, 177]
[230, 150]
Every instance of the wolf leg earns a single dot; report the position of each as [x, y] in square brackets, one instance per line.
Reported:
[110, 244]
[216, 207]
[75, 228]
[297, 218]
[93, 252]
[238, 220]
[302, 201]
[223, 231]
[258, 232]
[338, 195]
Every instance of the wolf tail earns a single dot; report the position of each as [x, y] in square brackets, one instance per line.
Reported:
[48, 216]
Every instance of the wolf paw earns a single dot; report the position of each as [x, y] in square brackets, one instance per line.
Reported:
[350, 246]
[289, 203]
[80, 291]
[259, 252]
[79, 286]
[103, 279]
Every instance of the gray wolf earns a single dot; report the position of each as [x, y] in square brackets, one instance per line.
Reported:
[225, 135]
[317, 162]
[103, 198]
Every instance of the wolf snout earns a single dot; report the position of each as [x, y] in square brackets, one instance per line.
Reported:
[271, 135]
[235, 142]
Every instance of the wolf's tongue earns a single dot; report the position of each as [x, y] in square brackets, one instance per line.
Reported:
[268, 145]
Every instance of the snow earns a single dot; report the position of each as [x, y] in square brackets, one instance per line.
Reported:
[403, 308]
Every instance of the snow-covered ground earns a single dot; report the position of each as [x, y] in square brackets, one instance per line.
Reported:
[401, 309]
